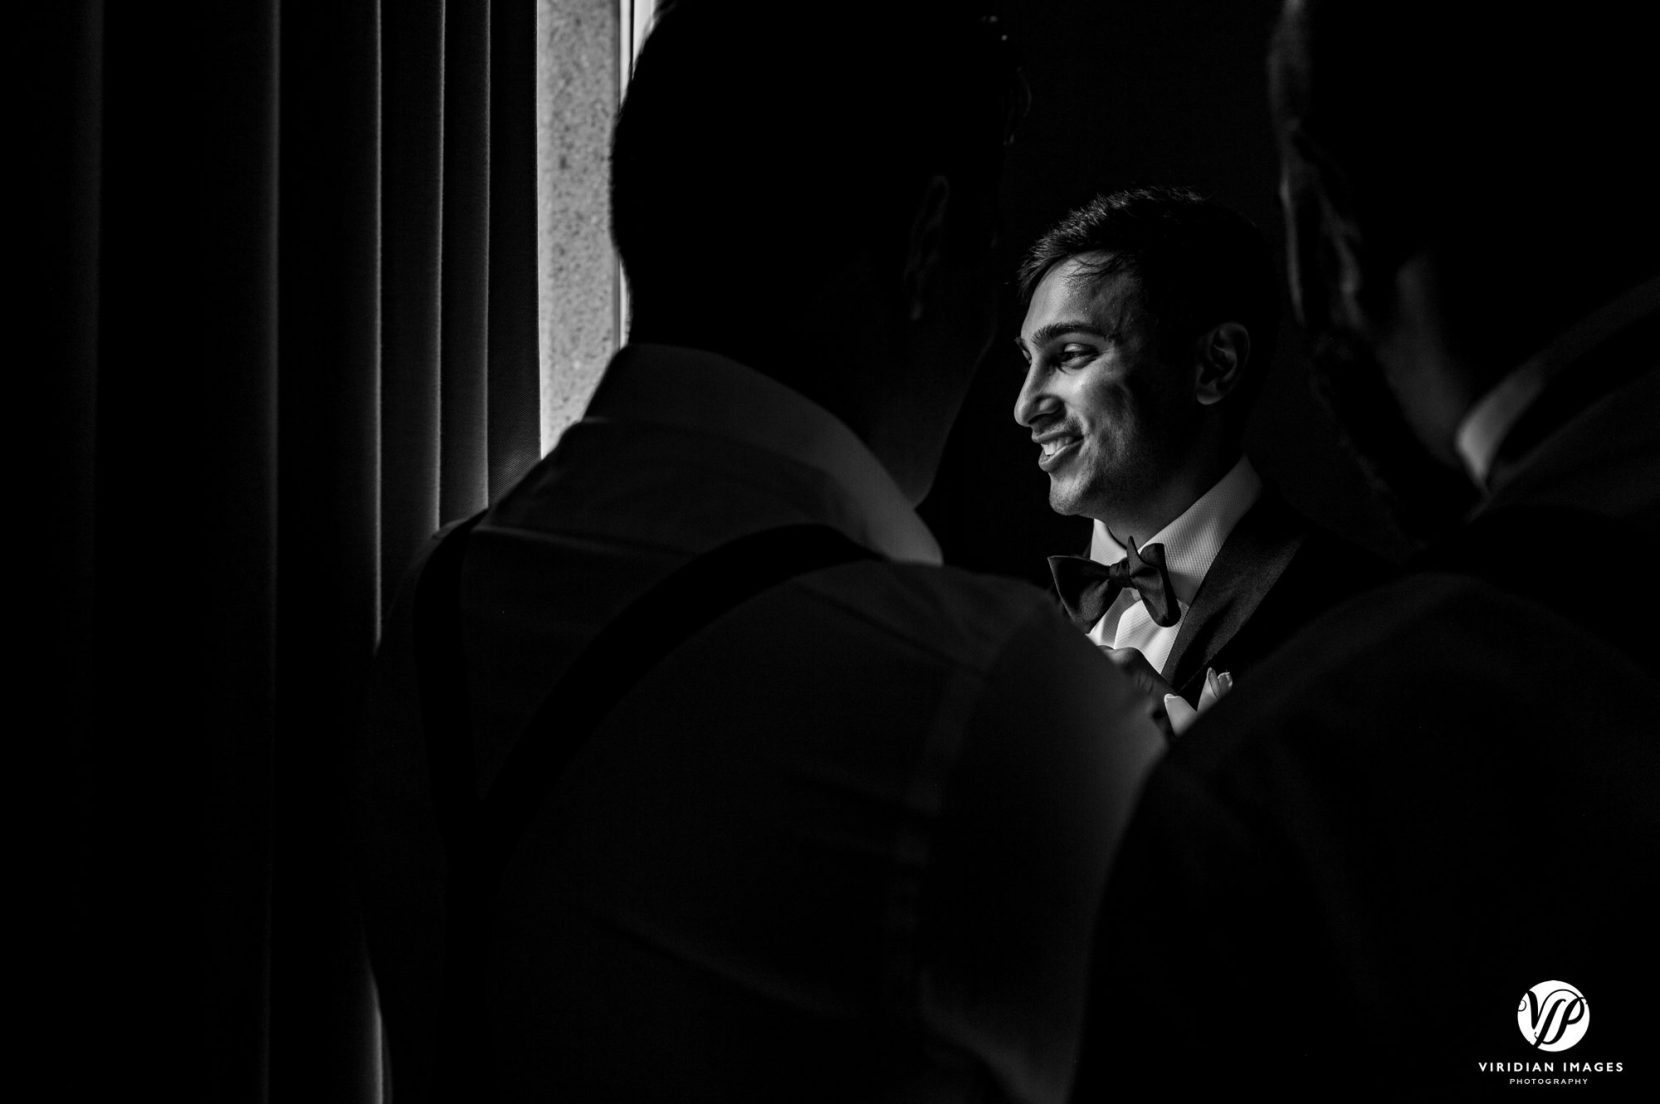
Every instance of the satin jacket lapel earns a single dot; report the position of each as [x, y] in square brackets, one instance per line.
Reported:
[1251, 561]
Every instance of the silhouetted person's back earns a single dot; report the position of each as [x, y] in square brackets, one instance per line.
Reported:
[846, 840]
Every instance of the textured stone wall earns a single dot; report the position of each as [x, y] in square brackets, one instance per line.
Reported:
[577, 86]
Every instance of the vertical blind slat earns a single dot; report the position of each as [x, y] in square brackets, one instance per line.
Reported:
[329, 343]
[515, 392]
[413, 116]
[466, 259]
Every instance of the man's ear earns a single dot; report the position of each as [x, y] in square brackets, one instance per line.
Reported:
[1222, 353]
[1329, 254]
[925, 249]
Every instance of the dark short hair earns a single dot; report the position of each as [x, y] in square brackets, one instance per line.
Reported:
[1197, 264]
[808, 129]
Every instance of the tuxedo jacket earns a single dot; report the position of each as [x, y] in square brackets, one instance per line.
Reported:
[1346, 878]
[1274, 574]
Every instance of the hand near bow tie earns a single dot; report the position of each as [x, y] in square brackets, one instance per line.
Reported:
[1183, 715]
[1170, 710]
[1142, 673]
[1146, 679]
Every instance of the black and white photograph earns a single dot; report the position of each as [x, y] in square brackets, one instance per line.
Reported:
[874, 552]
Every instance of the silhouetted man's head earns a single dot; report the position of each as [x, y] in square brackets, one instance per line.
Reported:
[1459, 187]
[1149, 327]
[809, 189]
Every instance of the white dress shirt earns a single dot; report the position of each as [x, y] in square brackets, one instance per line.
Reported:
[847, 842]
[1191, 543]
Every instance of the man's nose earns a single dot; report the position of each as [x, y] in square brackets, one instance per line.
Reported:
[1034, 402]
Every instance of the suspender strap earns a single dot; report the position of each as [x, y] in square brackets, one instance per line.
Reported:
[480, 837]
[672, 612]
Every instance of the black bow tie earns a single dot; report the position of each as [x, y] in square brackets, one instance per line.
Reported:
[1087, 588]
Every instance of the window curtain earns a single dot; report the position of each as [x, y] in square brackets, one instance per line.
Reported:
[281, 305]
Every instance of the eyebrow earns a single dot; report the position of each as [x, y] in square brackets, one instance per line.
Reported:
[1045, 334]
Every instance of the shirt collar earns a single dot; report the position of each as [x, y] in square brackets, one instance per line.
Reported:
[702, 392]
[1484, 428]
[1192, 541]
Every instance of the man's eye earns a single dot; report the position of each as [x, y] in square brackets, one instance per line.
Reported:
[1073, 355]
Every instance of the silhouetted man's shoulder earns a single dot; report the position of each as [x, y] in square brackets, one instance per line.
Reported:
[1438, 795]
[969, 614]
[850, 834]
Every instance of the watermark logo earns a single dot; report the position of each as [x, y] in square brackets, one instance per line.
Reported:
[1553, 1015]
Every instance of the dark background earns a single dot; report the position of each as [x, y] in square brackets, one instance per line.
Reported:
[1123, 95]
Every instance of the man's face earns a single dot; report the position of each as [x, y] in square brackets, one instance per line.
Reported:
[1112, 417]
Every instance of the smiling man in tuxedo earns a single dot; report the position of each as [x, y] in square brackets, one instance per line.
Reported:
[1355, 877]
[1149, 327]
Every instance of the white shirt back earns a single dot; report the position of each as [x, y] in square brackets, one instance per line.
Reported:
[847, 842]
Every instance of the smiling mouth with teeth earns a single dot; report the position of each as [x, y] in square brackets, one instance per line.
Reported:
[1055, 446]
